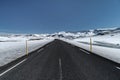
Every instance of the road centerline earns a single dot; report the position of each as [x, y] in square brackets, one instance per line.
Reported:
[60, 68]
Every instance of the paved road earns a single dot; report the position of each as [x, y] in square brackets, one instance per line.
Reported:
[62, 61]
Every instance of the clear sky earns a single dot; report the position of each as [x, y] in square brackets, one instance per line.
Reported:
[48, 16]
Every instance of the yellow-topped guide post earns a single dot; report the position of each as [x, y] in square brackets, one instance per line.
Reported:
[26, 47]
[90, 44]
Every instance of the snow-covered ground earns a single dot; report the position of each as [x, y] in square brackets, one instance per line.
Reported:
[105, 51]
[105, 42]
[110, 38]
[14, 48]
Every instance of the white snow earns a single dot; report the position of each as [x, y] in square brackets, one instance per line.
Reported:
[10, 51]
[106, 52]
[112, 28]
[110, 38]
[107, 46]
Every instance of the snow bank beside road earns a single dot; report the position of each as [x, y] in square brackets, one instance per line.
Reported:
[109, 53]
[10, 51]
[110, 38]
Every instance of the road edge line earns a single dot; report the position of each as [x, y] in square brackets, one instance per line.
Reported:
[12, 67]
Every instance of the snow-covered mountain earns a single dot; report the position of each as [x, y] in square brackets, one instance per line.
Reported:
[63, 34]
[81, 34]
[21, 37]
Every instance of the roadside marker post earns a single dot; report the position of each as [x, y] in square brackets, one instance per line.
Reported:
[26, 47]
[90, 44]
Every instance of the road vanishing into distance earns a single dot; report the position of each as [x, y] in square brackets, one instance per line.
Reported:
[59, 60]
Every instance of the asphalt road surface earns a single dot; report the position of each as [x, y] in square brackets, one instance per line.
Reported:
[62, 61]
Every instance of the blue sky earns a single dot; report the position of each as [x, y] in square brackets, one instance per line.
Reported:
[48, 16]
